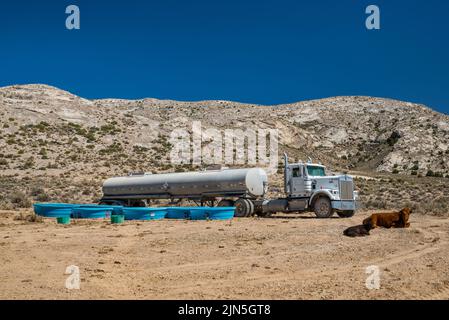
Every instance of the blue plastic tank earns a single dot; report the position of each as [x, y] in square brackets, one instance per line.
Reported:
[220, 213]
[178, 213]
[144, 213]
[92, 212]
[54, 210]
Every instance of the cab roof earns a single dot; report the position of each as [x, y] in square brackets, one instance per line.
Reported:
[309, 164]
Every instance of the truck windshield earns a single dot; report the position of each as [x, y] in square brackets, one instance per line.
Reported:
[316, 171]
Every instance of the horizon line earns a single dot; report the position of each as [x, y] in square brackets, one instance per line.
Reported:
[222, 100]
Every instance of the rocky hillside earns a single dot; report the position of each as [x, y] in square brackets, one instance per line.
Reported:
[46, 132]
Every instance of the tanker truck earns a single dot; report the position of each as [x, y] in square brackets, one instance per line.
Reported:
[307, 187]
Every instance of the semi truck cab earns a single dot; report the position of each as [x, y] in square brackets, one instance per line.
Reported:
[325, 194]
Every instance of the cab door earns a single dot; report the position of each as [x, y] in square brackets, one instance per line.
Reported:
[297, 181]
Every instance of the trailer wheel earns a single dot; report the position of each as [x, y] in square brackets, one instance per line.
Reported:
[250, 212]
[225, 203]
[346, 214]
[241, 208]
[323, 208]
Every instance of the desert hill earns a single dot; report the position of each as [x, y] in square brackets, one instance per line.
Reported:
[53, 139]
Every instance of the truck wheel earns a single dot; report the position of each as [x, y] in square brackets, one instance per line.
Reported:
[225, 203]
[346, 214]
[323, 208]
[241, 208]
[250, 212]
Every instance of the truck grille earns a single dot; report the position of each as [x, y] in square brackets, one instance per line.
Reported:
[346, 190]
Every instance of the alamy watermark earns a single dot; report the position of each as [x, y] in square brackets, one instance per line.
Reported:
[373, 20]
[252, 146]
[73, 281]
[373, 280]
[73, 21]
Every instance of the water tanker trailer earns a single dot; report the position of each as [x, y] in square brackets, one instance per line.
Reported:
[306, 186]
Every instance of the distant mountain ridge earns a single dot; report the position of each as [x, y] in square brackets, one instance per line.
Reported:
[43, 127]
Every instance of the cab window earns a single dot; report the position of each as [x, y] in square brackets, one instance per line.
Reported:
[316, 171]
[296, 172]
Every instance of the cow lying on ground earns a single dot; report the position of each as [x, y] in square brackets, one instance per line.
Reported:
[389, 219]
[386, 220]
[357, 231]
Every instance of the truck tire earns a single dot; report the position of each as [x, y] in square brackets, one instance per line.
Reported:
[250, 212]
[225, 203]
[241, 208]
[346, 214]
[323, 208]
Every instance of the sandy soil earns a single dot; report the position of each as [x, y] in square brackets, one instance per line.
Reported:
[296, 257]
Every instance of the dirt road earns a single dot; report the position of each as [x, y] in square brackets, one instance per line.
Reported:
[295, 257]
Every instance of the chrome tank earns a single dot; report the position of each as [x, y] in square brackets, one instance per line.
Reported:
[216, 183]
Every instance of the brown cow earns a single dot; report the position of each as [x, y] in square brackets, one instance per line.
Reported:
[389, 219]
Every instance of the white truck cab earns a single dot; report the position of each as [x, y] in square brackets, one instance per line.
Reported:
[324, 194]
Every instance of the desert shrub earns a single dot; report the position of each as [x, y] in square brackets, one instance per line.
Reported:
[140, 149]
[29, 163]
[43, 153]
[39, 194]
[42, 126]
[6, 205]
[374, 204]
[113, 148]
[438, 206]
[110, 128]
[36, 191]
[29, 217]
[19, 200]
[52, 166]
[394, 138]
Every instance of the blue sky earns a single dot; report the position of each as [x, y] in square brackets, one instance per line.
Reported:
[263, 51]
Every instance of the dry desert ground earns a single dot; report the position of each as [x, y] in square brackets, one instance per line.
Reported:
[282, 257]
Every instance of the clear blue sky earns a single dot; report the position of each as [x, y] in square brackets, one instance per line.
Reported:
[266, 52]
